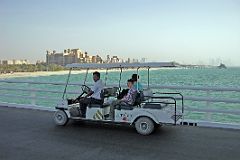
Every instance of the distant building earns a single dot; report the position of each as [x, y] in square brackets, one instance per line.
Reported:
[40, 62]
[11, 62]
[70, 58]
[67, 57]
[99, 59]
[7, 62]
[88, 59]
[128, 60]
[94, 59]
[54, 58]
[143, 60]
[114, 59]
[20, 61]
[108, 59]
[134, 60]
[85, 55]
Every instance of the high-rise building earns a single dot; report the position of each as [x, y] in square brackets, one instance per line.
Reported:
[54, 58]
[114, 59]
[108, 59]
[129, 60]
[94, 60]
[67, 57]
[99, 59]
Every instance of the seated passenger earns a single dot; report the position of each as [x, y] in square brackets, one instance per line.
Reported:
[122, 93]
[137, 85]
[128, 99]
[94, 96]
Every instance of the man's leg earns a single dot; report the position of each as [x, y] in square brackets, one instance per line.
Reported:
[96, 101]
[83, 106]
[112, 107]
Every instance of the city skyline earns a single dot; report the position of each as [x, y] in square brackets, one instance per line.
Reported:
[76, 55]
[72, 55]
[188, 32]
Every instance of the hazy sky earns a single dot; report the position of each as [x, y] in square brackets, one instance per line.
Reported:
[186, 31]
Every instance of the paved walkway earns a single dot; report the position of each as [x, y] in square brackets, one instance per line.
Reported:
[32, 135]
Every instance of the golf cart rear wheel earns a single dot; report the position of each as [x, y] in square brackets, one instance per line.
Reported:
[144, 125]
[60, 118]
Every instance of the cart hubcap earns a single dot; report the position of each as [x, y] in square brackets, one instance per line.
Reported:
[59, 117]
[144, 126]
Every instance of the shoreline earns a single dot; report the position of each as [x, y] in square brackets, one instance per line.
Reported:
[46, 73]
[49, 73]
[32, 74]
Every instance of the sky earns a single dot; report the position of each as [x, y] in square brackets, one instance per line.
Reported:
[185, 31]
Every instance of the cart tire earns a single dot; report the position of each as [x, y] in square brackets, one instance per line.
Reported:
[144, 125]
[60, 118]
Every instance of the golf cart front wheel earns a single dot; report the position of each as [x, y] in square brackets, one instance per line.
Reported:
[144, 125]
[60, 118]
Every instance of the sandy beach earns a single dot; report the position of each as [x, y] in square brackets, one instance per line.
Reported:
[45, 73]
[34, 74]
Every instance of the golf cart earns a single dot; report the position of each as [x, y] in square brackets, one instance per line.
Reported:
[149, 111]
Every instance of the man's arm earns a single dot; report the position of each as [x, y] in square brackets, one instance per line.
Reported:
[92, 90]
[89, 94]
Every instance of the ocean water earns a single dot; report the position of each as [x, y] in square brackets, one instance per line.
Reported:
[207, 77]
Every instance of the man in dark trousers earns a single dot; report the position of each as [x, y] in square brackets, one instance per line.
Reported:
[93, 96]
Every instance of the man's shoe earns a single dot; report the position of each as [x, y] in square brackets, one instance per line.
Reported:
[109, 118]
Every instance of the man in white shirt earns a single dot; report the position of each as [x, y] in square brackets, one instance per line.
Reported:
[94, 95]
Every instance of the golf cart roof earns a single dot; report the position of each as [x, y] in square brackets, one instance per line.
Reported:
[120, 65]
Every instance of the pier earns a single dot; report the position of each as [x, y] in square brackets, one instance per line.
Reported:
[28, 134]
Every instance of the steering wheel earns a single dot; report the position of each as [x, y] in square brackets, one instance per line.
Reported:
[85, 89]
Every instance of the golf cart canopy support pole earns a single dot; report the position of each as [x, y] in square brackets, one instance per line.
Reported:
[106, 77]
[137, 78]
[120, 78]
[85, 79]
[148, 77]
[65, 89]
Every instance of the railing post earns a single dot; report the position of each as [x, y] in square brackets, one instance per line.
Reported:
[208, 114]
[32, 95]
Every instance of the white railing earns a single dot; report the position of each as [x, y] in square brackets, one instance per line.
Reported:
[205, 108]
[207, 99]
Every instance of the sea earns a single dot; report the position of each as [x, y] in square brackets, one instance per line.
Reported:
[198, 77]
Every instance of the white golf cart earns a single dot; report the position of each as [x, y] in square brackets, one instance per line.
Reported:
[150, 110]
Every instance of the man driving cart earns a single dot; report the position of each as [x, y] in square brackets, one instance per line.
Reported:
[93, 96]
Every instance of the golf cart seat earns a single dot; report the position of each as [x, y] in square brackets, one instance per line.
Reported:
[152, 106]
[124, 107]
[103, 105]
[147, 94]
[110, 92]
[142, 96]
[98, 105]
